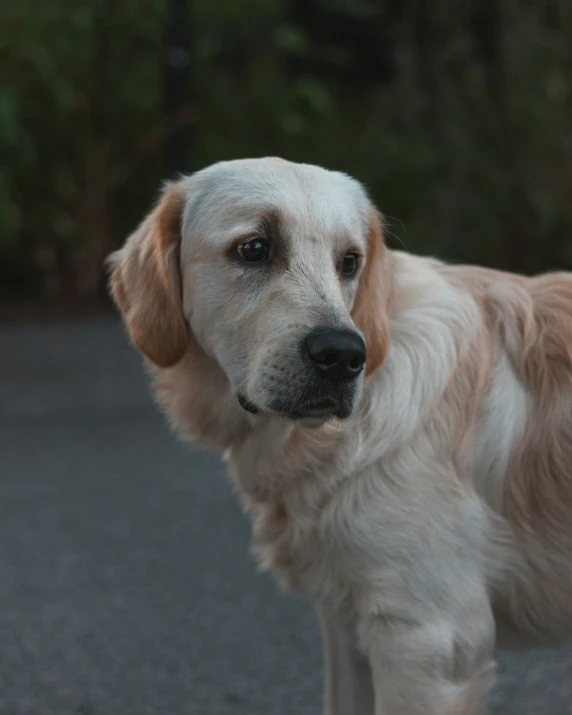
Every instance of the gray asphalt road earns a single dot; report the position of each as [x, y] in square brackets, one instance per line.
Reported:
[126, 587]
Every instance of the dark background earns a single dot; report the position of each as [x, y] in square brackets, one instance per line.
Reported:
[126, 586]
[456, 115]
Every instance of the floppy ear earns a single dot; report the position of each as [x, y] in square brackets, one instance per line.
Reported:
[144, 282]
[372, 303]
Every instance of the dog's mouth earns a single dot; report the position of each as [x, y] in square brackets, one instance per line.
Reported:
[319, 409]
[313, 410]
[247, 405]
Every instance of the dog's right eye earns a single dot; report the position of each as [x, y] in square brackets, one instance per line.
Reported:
[254, 251]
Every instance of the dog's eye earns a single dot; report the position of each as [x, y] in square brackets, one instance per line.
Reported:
[253, 251]
[349, 264]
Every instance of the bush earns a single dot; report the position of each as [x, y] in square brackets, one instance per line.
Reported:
[463, 136]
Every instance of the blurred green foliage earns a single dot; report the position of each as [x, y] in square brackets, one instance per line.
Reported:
[465, 139]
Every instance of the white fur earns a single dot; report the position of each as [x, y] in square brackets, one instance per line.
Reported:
[502, 424]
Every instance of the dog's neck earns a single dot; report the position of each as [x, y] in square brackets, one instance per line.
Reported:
[278, 453]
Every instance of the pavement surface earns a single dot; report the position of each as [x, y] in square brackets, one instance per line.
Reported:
[126, 584]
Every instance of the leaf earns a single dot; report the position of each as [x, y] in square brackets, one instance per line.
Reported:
[316, 94]
[292, 40]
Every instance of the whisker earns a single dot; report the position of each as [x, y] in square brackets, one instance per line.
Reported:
[392, 233]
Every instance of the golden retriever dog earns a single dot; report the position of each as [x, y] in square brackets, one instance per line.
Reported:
[399, 429]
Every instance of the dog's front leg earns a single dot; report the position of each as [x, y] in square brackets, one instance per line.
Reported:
[435, 668]
[348, 688]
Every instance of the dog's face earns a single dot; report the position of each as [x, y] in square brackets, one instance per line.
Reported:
[271, 266]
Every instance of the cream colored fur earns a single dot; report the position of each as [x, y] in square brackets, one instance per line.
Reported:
[434, 519]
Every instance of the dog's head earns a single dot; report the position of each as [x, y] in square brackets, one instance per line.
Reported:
[276, 270]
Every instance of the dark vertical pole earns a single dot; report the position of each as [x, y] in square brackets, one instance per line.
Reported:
[424, 38]
[177, 79]
[487, 29]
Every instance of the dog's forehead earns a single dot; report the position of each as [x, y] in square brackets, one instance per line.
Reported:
[231, 197]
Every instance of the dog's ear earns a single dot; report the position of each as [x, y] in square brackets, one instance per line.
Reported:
[372, 303]
[144, 282]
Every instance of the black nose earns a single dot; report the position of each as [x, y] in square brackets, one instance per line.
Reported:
[338, 354]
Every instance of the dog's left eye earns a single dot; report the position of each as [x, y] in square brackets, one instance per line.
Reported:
[253, 251]
[349, 265]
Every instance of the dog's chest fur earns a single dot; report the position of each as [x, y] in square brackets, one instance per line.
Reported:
[289, 483]
[352, 535]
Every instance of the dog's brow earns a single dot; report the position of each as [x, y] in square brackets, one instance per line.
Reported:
[271, 224]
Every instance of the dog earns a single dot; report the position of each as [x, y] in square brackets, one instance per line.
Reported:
[399, 429]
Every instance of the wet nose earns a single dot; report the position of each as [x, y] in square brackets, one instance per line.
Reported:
[338, 354]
